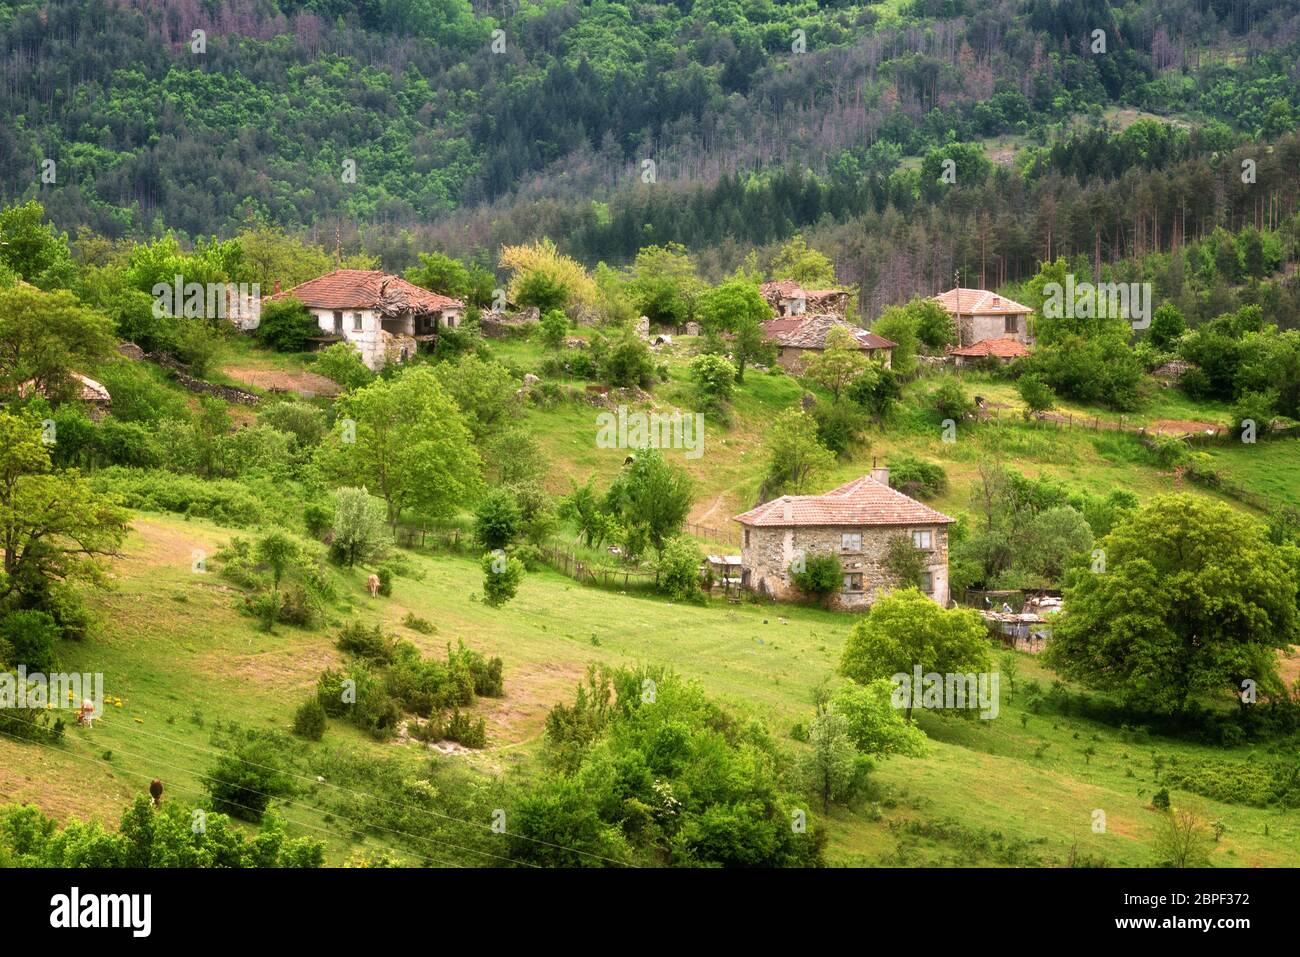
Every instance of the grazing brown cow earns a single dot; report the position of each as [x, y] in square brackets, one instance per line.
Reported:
[155, 792]
[372, 583]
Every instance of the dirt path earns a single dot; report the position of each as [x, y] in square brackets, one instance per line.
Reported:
[708, 513]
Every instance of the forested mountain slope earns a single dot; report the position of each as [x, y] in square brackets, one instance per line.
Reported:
[759, 118]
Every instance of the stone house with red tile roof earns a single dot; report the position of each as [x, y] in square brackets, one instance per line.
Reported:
[800, 338]
[856, 523]
[1004, 350]
[383, 316]
[981, 315]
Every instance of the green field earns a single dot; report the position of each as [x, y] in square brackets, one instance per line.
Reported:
[183, 660]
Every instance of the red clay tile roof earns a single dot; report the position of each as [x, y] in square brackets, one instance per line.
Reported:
[809, 332]
[979, 302]
[1002, 348]
[864, 501]
[367, 289]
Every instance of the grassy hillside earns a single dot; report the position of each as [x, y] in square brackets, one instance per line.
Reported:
[1015, 790]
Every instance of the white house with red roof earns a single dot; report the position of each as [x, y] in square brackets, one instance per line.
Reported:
[856, 523]
[383, 316]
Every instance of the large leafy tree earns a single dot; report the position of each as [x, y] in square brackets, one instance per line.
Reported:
[906, 629]
[663, 283]
[32, 249]
[795, 457]
[542, 276]
[736, 306]
[1194, 599]
[652, 494]
[485, 391]
[407, 441]
[836, 366]
[53, 526]
[46, 336]
[805, 265]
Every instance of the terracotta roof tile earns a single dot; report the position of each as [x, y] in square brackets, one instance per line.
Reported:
[366, 289]
[864, 501]
[979, 302]
[1002, 348]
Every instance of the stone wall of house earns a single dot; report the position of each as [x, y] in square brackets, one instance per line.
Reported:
[768, 551]
[794, 360]
[978, 328]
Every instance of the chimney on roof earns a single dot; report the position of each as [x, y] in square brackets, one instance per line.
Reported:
[880, 473]
[787, 509]
[277, 287]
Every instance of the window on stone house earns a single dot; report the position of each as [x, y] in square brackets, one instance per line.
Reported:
[851, 542]
[338, 323]
[746, 538]
[922, 538]
[1011, 324]
[927, 582]
[358, 323]
[853, 581]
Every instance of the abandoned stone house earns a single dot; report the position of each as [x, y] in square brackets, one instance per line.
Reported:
[798, 339]
[856, 523]
[982, 315]
[383, 316]
[788, 299]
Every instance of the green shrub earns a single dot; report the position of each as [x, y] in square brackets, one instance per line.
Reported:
[27, 638]
[309, 720]
[368, 643]
[714, 378]
[342, 363]
[819, 578]
[422, 625]
[297, 606]
[915, 477]
[677, 569]
[245, 779]
[223, 501]
[462, 728]
[950, 401]
[501, 577]
[286, 325]
[554, 327]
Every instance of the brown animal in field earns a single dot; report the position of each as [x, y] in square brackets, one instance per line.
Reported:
[372, 584]
[155, 792]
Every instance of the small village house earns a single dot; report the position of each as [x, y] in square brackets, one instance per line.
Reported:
[84, 389]
[1000, 350]
[383, 316]
[855, 523]
[982, 315]
[798, 339]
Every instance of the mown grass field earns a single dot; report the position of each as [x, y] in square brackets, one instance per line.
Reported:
[183, 660]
